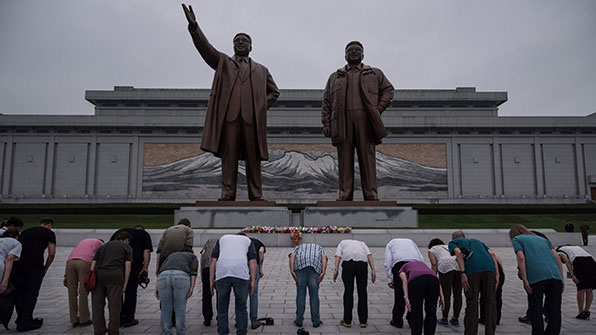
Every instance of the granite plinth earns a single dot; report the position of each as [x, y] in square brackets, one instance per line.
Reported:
[360, 216]
[236, 203]
[227, 216]
[356, 203]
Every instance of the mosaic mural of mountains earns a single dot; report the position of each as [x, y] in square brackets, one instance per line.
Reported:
[293, 175]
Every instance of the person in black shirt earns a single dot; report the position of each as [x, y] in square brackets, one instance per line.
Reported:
[29, 271]
[569, 227]
[254, 297]
[142, 247]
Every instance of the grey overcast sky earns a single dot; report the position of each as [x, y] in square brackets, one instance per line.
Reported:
[542, 52]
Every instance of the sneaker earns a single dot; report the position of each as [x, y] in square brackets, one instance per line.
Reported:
[481, 321]
[297, 324]
[76, 324]
[207, 323]
[256, 325]
[454, 322]
[28, 327]
[317, 325]
[347, 325]
[363, 325]
[443, 322]
[524, 319]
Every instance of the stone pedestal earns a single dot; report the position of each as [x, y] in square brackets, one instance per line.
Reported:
[240, 217]
[360, 217]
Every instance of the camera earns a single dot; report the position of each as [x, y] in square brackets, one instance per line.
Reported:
[144, 279]
[301, 331]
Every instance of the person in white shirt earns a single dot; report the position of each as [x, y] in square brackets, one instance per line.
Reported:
[398, 252]
[582, 267]
[356, 258]
[10, 251]
[229, 265]
[445, 265]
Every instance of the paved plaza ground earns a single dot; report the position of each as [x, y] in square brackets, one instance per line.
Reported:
[277, 300]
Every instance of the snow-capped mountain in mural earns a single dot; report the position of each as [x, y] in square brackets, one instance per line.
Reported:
[293, 173]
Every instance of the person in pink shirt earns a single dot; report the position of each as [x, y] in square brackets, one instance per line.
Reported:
[77, 267]
[421, 287]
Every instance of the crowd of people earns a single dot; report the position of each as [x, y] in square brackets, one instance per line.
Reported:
[236, 263]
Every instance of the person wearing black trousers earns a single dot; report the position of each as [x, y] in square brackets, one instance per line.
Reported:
[499, 292]
[207, 298]
[421, 291]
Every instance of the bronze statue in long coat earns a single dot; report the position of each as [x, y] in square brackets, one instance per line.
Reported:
[354, 98]
[236, 120]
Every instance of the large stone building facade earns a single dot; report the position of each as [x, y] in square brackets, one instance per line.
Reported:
[444, 146]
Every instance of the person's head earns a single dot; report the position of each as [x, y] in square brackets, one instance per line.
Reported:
[46, 222]
[4, 222]
[568, 221]
[354, 52]
[122, 236]
[435, 241]
[584, 221]
[458, 234]
[184, 221]
[242, 44]
[11, 233]
[519, 229]
[139, 227]
[14, 223]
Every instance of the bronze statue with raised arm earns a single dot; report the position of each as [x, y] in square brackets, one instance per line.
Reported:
[354, 98]
[236, 120]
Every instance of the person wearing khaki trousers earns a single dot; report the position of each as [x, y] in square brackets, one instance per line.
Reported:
[77, 267]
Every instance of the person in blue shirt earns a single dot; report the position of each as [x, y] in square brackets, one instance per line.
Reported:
[541, 272]
[479, 275]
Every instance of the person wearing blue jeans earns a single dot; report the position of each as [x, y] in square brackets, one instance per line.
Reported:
[307, 266]
[175, 284]
[230, 266]
[224, 289]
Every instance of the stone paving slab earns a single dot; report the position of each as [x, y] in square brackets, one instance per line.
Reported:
[277, 300]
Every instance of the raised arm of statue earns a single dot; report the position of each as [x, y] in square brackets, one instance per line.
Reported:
[208, 52]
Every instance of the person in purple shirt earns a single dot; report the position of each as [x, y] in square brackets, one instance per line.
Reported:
[421, 287]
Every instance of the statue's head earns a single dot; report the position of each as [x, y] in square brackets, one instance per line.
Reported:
[354, 52]
[242, 44]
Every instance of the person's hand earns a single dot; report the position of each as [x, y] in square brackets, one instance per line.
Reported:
[261, 273]
[189, 294]
[320, 279]
[442, 303]
[464, 282]
[212, 288]
[527, 287]
[326, 131]
[575, 280]
[252, 288]
[124, 287]
[190, 15]
[3, 287]
[335, 273]
[156, 293]
[294, 276]
[408, 304]
[64, 282]
[373, 277]
[391, 286]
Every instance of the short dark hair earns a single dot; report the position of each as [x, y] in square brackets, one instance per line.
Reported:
[14, 233]
[243, 34]
[122, 235]
[435, 241]
[184, 221]
[46, 220]
[14, 221]
[139, 226]
[354, 42]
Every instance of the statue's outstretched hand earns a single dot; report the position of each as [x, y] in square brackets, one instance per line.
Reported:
[190, 15]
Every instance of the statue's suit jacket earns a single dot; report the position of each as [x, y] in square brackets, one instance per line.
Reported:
[264, 94]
